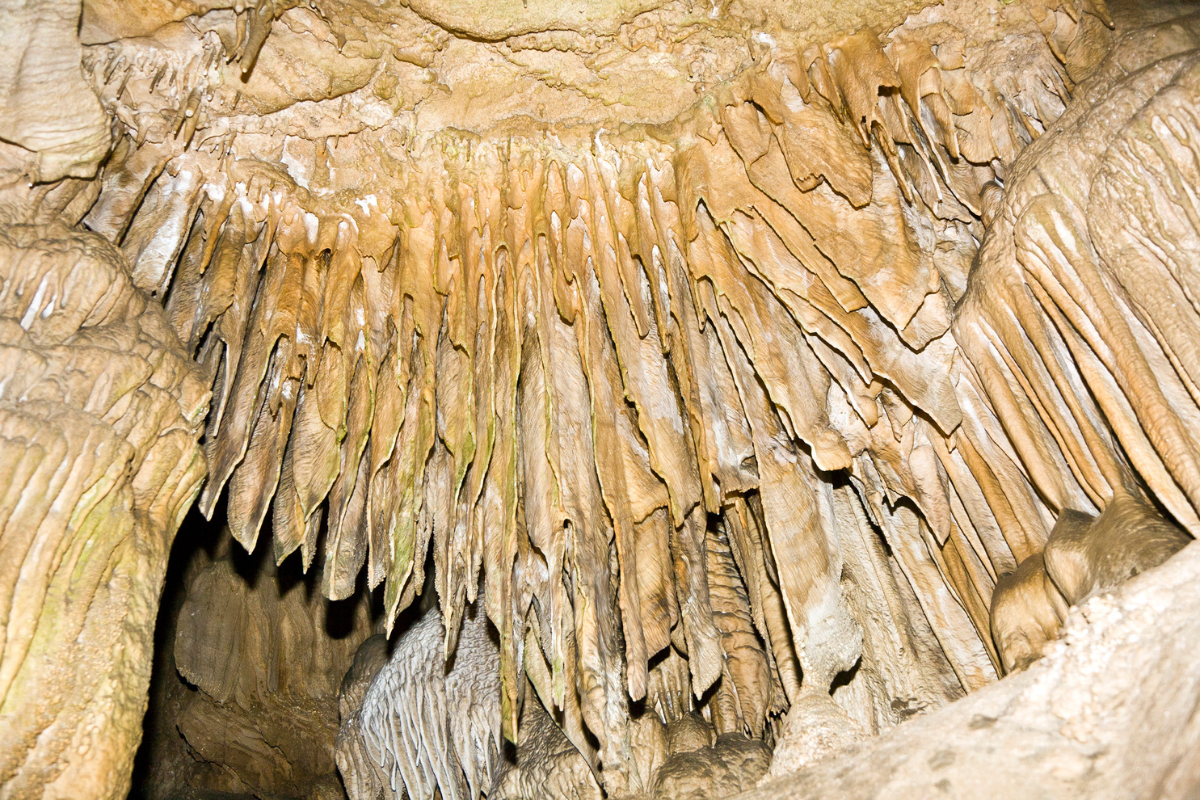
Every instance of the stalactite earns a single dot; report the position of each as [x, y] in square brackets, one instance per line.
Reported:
[552, 364]
[701, 416]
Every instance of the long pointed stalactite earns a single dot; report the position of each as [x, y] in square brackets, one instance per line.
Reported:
[751, 405]
[539, 358]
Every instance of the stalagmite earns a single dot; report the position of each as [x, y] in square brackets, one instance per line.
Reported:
[1027, 612]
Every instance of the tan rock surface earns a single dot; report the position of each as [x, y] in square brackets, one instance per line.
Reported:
[720, 355]
[1027, 612]
[1110, 712]
[815, 729]
[1127, 538]
[730, 765]
[46, 106]
[99, 413]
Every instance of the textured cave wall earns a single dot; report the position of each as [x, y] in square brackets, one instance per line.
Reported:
[101, 410]
[1080, 280]
[463, 347]
[100, 413]
[61, 132]
[1110, 712]
[674, 326]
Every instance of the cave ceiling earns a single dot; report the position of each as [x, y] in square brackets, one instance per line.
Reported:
[722, 354]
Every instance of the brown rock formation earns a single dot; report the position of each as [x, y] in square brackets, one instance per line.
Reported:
[1085, 554]
[1108, 713]
[46, 106]
[99, 412]
[721, 356]
[1027, 612]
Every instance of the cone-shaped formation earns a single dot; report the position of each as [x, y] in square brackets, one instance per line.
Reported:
[621, 380]
[701, 406]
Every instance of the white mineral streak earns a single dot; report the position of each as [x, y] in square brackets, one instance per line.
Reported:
[431, 729]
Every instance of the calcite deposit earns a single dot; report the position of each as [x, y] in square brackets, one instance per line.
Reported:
[671, 385]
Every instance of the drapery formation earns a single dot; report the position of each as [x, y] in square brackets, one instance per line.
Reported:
[99, 413]
[659, 396]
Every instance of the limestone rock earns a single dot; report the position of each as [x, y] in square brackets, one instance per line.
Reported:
[247, 696]
[690, 732]
[1109, 712]
[815, 729]
[424, 726]
[46, 106]
[99, 413]
[698, 360]
[543, 763]
[1086, 555]
[730, 765]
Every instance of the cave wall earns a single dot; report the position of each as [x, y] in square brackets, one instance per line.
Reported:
[101, 411]
[249, 663]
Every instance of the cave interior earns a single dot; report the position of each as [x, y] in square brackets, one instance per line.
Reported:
[599, 399]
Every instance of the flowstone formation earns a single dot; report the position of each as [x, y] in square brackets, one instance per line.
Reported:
[712, 375]
[99, 413]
